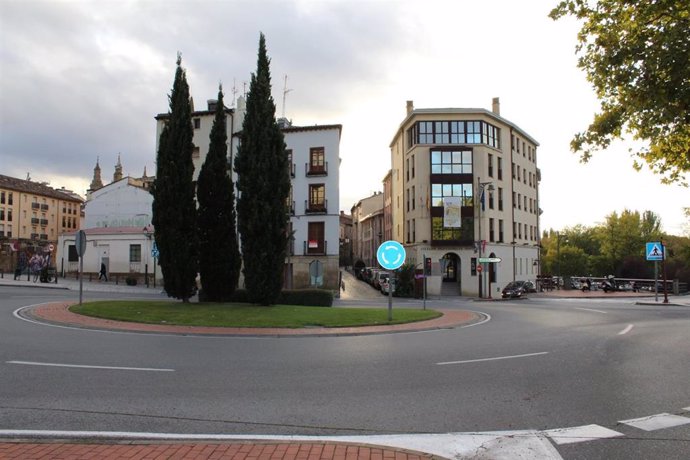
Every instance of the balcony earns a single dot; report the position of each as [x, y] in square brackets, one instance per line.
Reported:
[315, 170]
[315, 208]
[291, 208]
[34, 221]
[34, 236]
[43, 236]
[44, 207]
[321, 248]
[35, 206]
[44, 222]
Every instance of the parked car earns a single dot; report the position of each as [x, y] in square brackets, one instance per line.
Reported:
[516, 289]
[386, 286]
[379, 278]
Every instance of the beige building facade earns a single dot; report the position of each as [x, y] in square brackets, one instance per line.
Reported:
[32, 217]
[465, 187]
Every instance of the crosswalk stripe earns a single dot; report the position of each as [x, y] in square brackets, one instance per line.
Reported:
[581, 434]
[657, 422]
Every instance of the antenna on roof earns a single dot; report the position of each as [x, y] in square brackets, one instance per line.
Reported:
[285, 91]
[234, 93]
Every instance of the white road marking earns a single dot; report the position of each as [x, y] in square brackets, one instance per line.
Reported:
[524, 445]
[592, 309]
[626, 330]
[82, 366]
[581, 434]
[493, 359]
[657, 422]
[485, 320]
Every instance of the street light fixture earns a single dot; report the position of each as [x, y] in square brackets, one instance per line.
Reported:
[490, 187]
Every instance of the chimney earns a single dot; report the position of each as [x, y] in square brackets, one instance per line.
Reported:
[496, 106]
[211, 103]
[410, 107]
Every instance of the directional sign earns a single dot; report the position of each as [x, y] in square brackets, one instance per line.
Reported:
[154, 250]
[489, 260]
[654, 251]
[391, 255]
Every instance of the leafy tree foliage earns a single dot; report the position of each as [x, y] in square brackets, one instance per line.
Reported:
[174, 209]
[219, 255]
[264, 185]
[636, 54]
[615, 247]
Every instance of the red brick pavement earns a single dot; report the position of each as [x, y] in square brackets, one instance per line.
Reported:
[204, 451]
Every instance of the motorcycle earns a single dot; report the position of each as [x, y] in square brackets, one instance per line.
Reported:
[586, 284]
[610, 284]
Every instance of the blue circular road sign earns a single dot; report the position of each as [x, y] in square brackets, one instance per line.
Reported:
[391, 255]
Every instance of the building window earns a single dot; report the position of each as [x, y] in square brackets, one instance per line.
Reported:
[315, 234]
[196, 153]
[454, 132]
[500, 230]
[451, 162]
[407, 169]
[491, 165]
[317, 198]
[291, 166]
[412, 166]
[2, 197]
[499, 167]
[414, 232]
[317, 160]
[197, 123]
[441, 233]
[134, 253]
[492, 237]
[439, 191]
[500, 199]
[412, 197]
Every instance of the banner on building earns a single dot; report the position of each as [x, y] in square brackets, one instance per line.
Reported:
[451, 211]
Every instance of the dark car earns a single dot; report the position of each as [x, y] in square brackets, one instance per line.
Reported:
[516, 289]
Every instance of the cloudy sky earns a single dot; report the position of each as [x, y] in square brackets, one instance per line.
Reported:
[81, 80]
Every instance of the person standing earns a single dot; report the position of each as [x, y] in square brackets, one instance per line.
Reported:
[102, 274]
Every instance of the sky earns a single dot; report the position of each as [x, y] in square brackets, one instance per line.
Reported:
[82, 80]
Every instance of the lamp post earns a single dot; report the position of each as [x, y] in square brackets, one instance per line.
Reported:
[558, 258]
[490, 187]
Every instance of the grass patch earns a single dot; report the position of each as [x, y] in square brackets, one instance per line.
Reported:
[243, 315]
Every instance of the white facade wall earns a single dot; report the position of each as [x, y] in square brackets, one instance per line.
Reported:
[111, 246]
[118, 204]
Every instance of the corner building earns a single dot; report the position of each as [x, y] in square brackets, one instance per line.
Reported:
[465, 186]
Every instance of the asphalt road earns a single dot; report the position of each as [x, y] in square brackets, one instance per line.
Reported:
[536, 365]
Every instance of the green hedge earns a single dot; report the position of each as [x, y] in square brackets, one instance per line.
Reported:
[306, 297]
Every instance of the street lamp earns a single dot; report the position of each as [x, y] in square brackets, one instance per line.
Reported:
[490, 187]
[558, 257]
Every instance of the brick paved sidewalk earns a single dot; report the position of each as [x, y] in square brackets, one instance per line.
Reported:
[204, 451]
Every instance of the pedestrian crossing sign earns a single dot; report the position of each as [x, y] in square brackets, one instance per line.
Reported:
[655, 251]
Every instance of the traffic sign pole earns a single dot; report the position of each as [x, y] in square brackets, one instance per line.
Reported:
[390, 255]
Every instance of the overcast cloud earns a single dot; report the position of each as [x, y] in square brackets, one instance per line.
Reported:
[81, 80]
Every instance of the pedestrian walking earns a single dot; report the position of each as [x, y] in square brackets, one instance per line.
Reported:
[102, 274]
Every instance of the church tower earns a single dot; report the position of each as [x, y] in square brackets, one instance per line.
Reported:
[117, 175]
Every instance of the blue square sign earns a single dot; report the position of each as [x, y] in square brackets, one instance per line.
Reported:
[654, 251]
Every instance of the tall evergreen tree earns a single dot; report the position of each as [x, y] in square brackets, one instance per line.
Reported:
[174, 209]
[219, 255]
[264, 185]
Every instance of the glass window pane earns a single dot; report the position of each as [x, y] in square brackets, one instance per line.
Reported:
[447, 169]
[436, 190]
[447, 189]
[457, 189]
[435, 157]
[457, 169]
[447, 157]
[435, 169]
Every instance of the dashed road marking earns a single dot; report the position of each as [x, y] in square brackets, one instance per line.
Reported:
[493, 359]
[657, 422]
[83, 366]
[626, 330]
[592, 309]
[581, 434]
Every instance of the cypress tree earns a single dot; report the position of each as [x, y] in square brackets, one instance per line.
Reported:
[219, 255]
[174, 209]
[263, 184]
